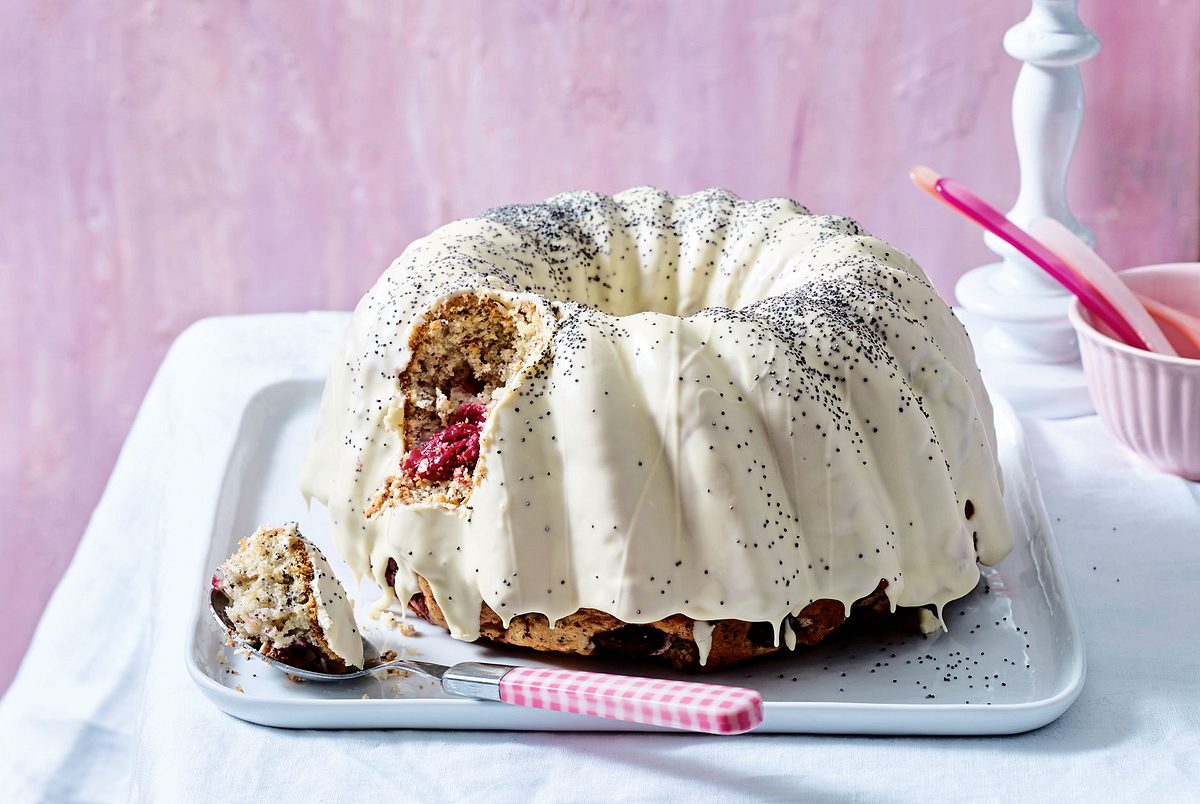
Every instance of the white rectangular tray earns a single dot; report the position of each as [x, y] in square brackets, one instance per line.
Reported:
[1012, 660]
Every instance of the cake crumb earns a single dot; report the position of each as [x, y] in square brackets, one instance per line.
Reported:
[396, 623]
[388, 655]
[239, 689]
[296, 679]
[928, 621]
[389, 619]
[366, 697]
[381, 604]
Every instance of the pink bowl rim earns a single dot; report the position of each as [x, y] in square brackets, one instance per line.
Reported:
[1082, 327]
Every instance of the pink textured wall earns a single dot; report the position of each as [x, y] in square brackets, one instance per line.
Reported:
[160, 162]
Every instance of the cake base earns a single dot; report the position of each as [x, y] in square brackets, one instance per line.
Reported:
[589, 632]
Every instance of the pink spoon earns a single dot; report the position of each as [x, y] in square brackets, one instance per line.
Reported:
[1184, 326]
[1166, 324]
[972, 206]
[1063, 243]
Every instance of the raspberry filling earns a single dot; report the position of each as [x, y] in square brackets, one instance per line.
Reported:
[448, 450]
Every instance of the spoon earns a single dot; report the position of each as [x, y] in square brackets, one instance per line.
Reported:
[687, 705]
[1079, 256]
[1155, 321]
[1184, 326]
[984, 214]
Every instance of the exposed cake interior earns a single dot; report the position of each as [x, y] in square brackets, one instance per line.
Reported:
[467, 352]
[274, 586]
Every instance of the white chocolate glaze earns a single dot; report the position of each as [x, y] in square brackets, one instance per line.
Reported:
[743, 408]
[789, 635]
[702, 635]
[335, 612]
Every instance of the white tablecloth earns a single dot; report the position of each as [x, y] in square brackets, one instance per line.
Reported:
[103, 710]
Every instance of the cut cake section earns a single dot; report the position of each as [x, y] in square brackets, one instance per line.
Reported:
[467, 352]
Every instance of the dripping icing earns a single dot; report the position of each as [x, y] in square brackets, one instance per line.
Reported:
[702, 633]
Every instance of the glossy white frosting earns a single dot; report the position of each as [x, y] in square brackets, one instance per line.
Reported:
[335, 612]
[702, 635]
[743, 408]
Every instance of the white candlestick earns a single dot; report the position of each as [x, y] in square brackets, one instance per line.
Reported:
[1016, 313]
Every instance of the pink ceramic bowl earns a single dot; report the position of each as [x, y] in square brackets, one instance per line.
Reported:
[1150, 402]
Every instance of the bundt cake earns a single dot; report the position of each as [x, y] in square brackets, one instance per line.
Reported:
[284, 600]
[694, 427]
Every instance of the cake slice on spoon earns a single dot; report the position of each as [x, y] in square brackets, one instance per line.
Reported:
[285, 601]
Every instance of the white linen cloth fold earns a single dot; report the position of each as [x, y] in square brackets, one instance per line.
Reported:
[103, 709]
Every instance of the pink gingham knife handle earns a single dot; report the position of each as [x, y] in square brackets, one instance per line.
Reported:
[689, 705]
